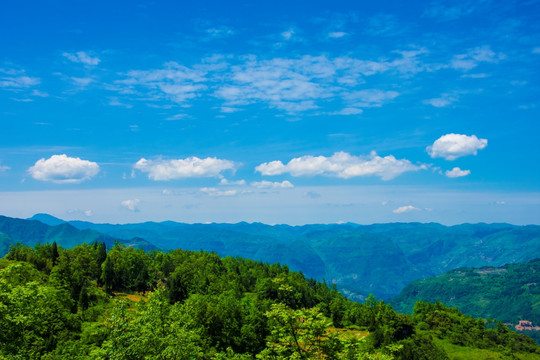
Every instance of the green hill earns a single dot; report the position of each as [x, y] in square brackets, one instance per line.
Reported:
[32, 232]
[89, 303]
[509, 293]
[360, 259]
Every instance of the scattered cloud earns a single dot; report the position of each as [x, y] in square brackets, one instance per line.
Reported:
[219, 32]
[39, 93]
[453, 146]
[62, 169]
[224, 181]
[404, 209]
[174, 82]
[442, 101]
[370, 97]
[384, 25]
[218, 193]
[131, 205]
[87, 213]
[342, 165]
[536, 50]
[474, 57]
[82, 58]
[272, 185]
[457, 172]
[312, 194]
[81, 82]
[114, 101]
[18, 82]
[288, 34]
[441, 12]
[337, 34]
[4, 168]
[183, 168]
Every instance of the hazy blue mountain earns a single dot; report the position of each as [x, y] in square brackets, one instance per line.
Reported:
[47, 219]
[361, 259]
[31, 232]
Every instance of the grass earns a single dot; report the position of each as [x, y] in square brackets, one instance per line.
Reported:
[456, 352]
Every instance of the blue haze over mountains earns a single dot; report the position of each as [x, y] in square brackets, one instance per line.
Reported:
[360, 259]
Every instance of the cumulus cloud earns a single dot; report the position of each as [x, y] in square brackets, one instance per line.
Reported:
[82, 58]
[183, 168]
[453, 146]
[457, 172]
[131, 204]
[341, 164]
[272, 185]
[63, 169]
[404, 209]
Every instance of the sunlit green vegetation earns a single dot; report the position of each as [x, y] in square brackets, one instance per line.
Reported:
[90, 302]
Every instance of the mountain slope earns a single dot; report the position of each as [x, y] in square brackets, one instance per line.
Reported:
[360, 259]
[31, 232]
[509, 293]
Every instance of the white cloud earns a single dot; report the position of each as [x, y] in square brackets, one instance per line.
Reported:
[175, 82]
[443, 101]
[227, 182]
[131, 204]
[63, 169]
[474, 57]
[183, 168]
[82, 82]
[457, 172]
[82, 58]
[348, 111]
[453, 146]
[3, 167]
[342, 165]
[272, 185]
[218, 193]
[371, 97]
[288, 34]
[300, 84]
[39, 93]
[17, 82]
[337, 34]
[404, 209]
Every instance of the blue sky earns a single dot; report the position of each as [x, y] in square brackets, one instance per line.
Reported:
[279, 112]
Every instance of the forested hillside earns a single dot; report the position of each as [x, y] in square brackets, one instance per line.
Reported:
[31, 232]
[509, 293]
[360, 259]
[91, 302]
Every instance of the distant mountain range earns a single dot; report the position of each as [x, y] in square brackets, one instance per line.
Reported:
[509, 293]
[31, 232]
[360, 259]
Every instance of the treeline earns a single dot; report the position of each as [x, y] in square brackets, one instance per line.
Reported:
[81, 303]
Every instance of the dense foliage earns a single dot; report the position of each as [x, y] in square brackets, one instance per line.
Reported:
[90, 302]
[361, 259]
[509, 293]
